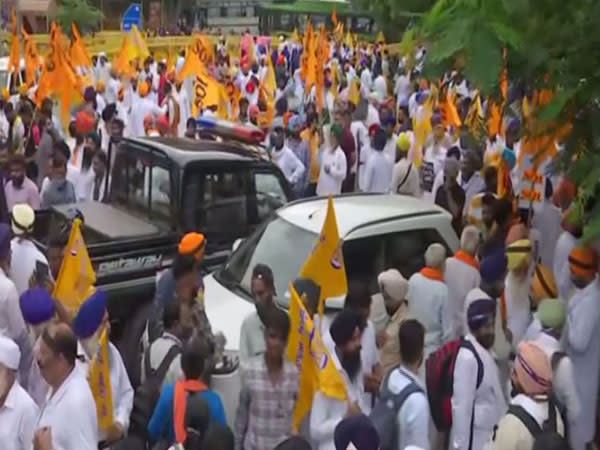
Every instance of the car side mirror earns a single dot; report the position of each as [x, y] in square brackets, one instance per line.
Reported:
[236, 244]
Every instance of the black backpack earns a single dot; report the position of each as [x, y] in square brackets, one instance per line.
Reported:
[383, 415]
[147, 394]
[549, 425]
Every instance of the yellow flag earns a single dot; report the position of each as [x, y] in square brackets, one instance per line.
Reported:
[122, 62]
[354, 92]
[325, 265]
[270, 83]
[197, 56]
[14, 60]
[32, 57]
[139, 43]
[208, 92]
[99, 380]
[422, 127]
[317, 369]
[380, 38]
[76, 278]
[79, 54]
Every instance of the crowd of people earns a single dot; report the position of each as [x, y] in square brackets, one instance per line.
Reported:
[495, 346]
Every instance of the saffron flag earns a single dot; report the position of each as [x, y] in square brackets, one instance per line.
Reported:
[306, 350]
[79, 54]
[99, 380]
[208, 92]
[198, 55]
[14, 60]
[139, 45]
[325, 265]
[32, 57]
[76, 278]
[354, 92]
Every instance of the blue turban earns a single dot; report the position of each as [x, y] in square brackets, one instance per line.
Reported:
[493, 267]
[90, 315]
[4, 240]
[359, 431]
[36, 306]
[479, 312]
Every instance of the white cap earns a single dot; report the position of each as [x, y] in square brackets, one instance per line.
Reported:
[10, 355]
[23, 217]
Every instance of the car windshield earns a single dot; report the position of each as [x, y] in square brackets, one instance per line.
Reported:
[265, 247]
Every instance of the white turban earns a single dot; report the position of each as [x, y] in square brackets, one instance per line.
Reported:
[393, 283]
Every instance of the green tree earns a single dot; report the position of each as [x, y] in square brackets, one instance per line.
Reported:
[551, 44]
[86, 16]
[394, 16]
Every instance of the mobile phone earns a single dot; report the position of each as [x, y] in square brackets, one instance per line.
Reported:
[42, 273]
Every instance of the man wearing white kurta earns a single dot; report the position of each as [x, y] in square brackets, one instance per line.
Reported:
[332, 172]
[566, 242]
[142, 107]
[483, 405]
[89, 323]
[326, 411]
[462, 276]
[379, 167]
[18, 412]
[583, 341]
[70, 410]
[428, 299]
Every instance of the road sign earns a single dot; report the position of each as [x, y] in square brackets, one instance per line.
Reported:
[132, 16]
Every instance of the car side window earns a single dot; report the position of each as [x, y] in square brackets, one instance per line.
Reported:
[140, 183]
[269, 194]
[364, 259]
[405, 250]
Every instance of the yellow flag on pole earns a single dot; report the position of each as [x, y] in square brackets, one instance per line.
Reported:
[32, 57]
[99, 381]
[76, 278]
[325, 265]
[139, 43]
[308, 352]
[79, 54]
[14, 60]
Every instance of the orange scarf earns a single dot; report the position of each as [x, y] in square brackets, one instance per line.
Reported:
[182, 387]
[463, 256]
[432, 274]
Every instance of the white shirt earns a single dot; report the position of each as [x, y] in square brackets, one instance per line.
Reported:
[327, 412]
[412, 420]
[566, 242]
[11, 320]
[372, 116]
[380, 86]
[378, 172]
[70, 412]
[390, 148]
[140, 109]
[402, 89]
[361, 143]
[288, 162]
[24, 255]
[112, 90]
[122, 392]
[17, 419]
[365, 82]
[460, 278]
[409, 180]
[518, 310]
[547, 219]
[428, 302]
[331, 183]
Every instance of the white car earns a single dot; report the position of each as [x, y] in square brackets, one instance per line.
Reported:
[379, 232]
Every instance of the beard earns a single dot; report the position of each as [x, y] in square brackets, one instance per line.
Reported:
[3, 383]
[351, 363]
[18, 181]
[486, 340]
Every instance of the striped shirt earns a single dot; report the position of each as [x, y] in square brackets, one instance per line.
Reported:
[265, 411]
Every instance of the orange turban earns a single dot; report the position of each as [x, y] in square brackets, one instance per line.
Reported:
[543, 284]
[84, 123]
[143, 89]
[100, 87]
[192, 244]
[532, 369]
[583, 261]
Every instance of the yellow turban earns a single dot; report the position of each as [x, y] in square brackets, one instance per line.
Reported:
[23, 89]
[403, 142]
[518, 254]
[100, 86]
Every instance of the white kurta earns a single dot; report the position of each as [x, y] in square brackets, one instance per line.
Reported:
[122, 392]
[428, 303]
[288, 162]
[583, 347]
[140, 109]
[460, 278]
[487, 402]
[71, 413]
[378, 173]
[547, 219]
[518, 310]
[24, 255]
[331, 183]
[327, 412]
[566, 242]
[17, 419]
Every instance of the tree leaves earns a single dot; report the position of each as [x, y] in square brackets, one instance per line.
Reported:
[86, 16]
